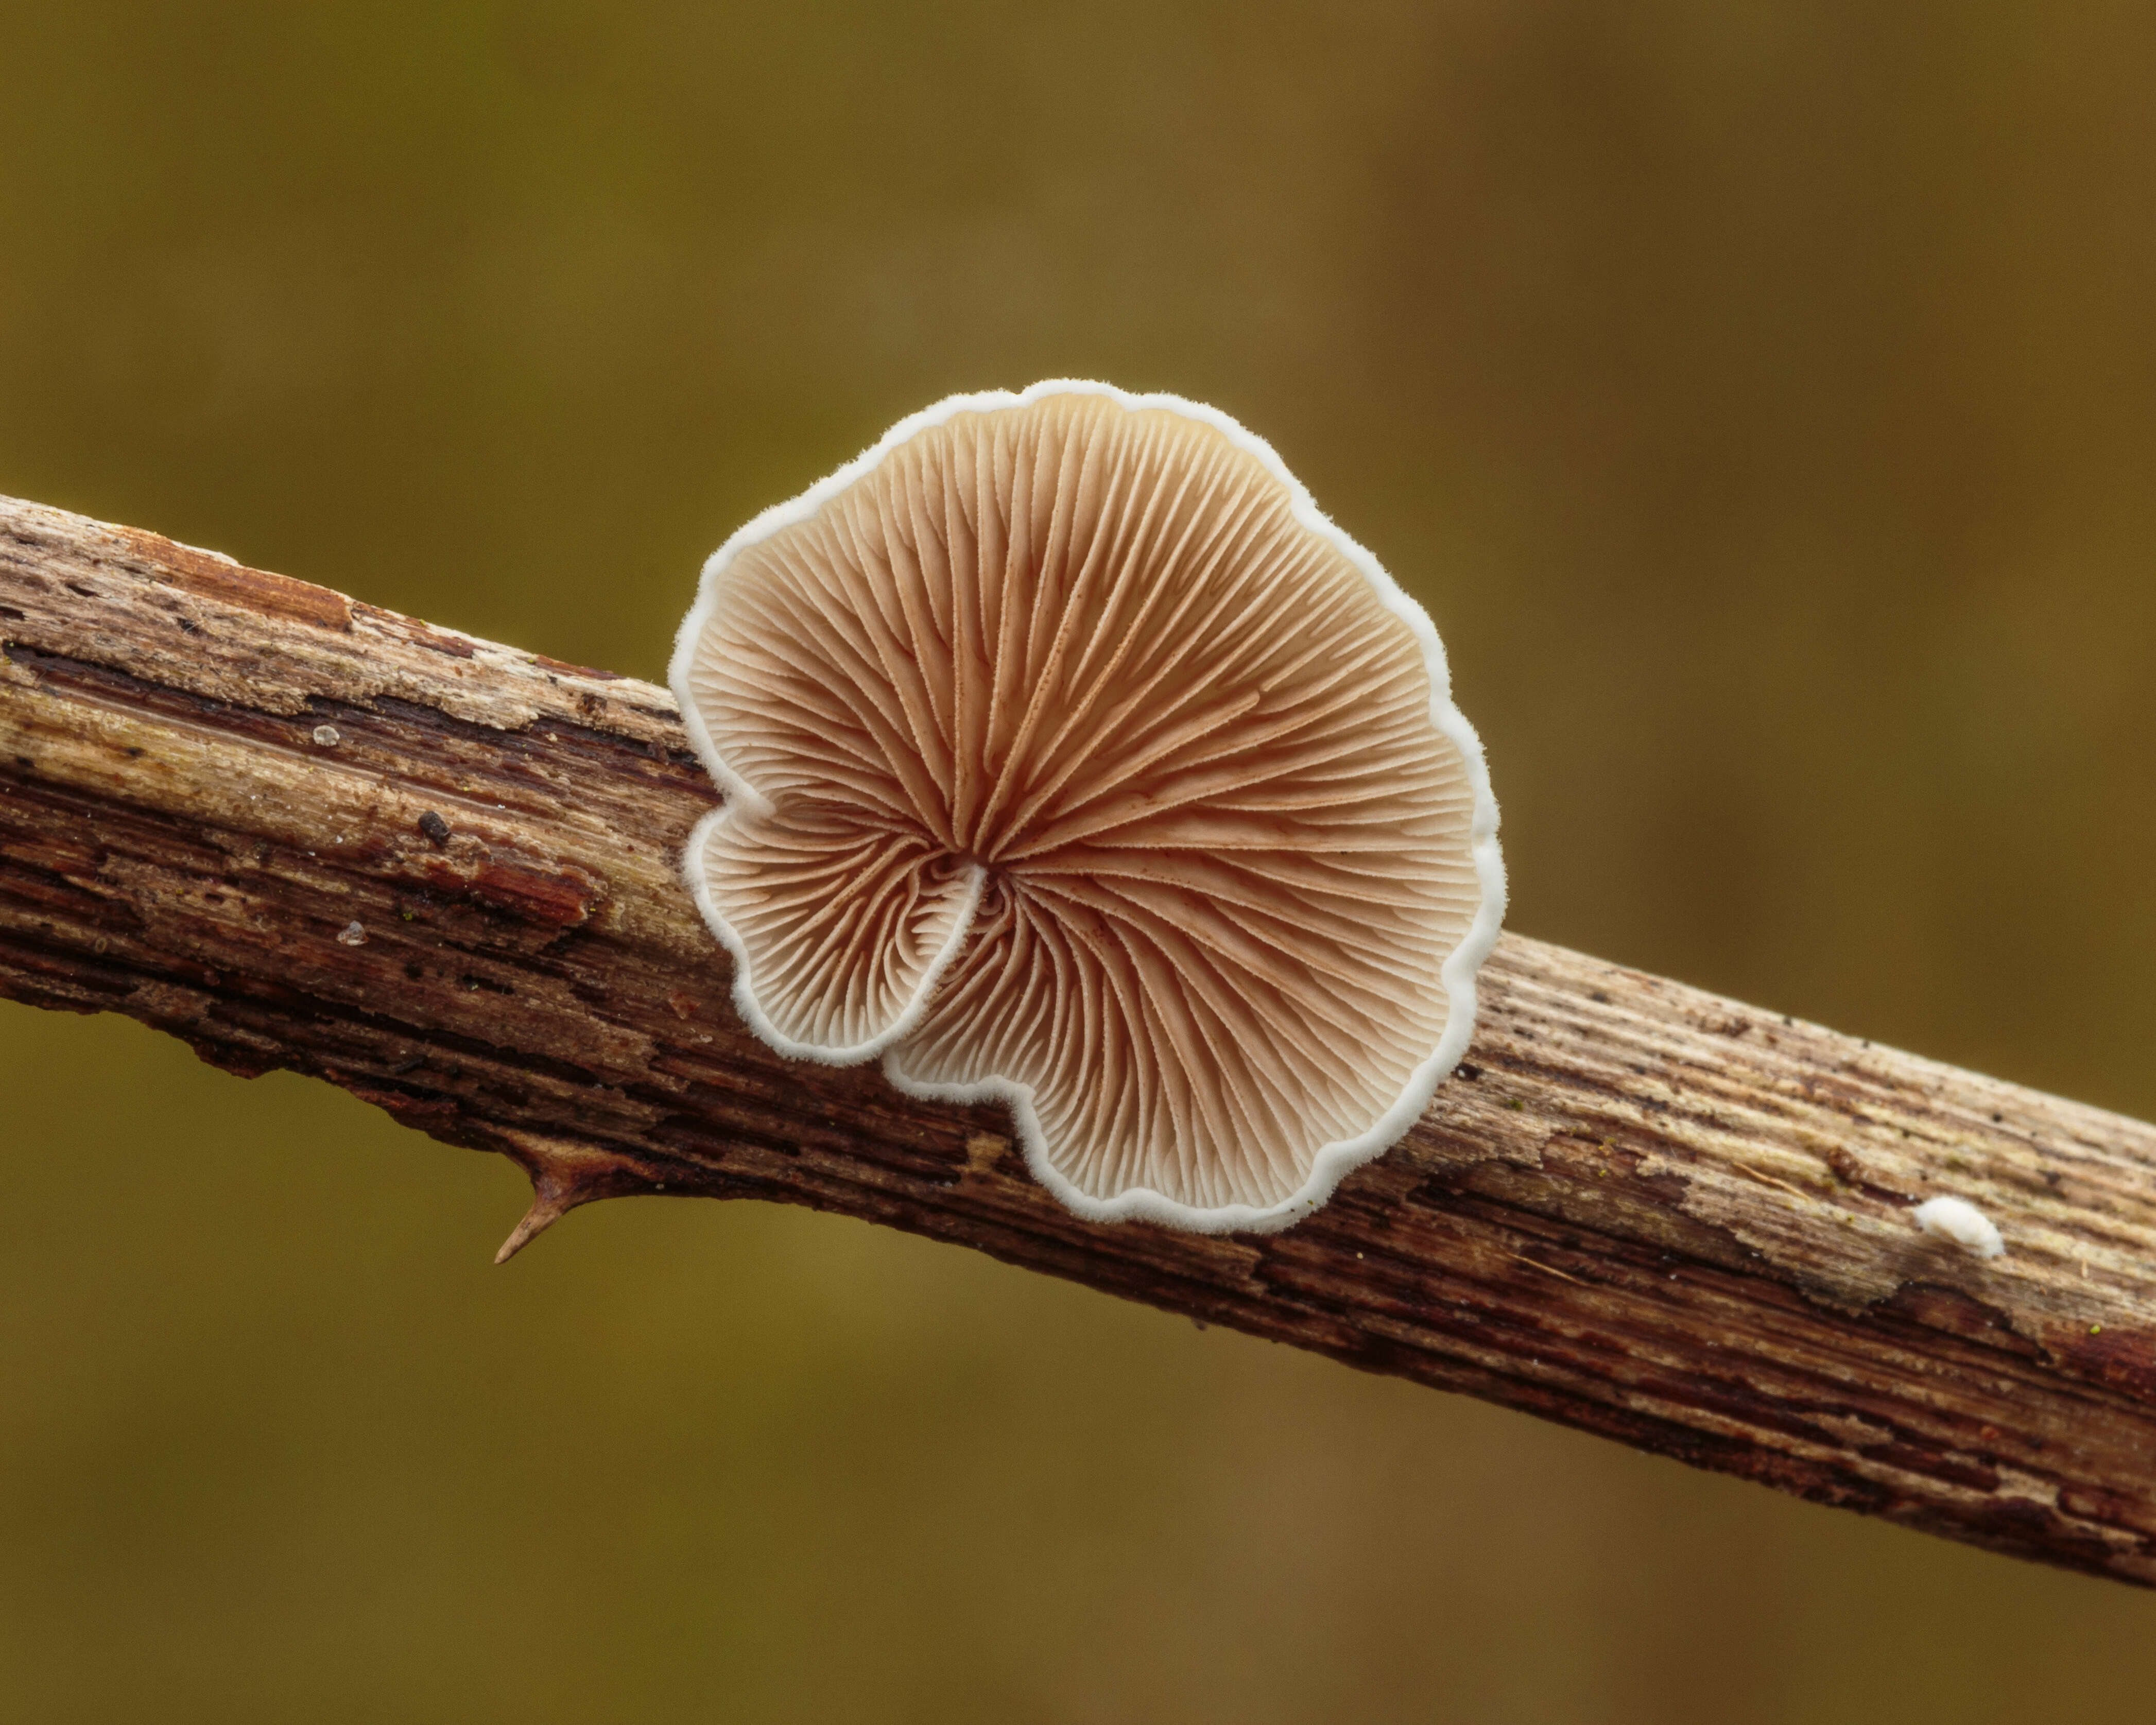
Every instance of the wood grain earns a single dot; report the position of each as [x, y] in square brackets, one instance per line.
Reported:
[302, 832]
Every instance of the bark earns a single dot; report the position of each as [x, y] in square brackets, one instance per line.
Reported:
[299, 832]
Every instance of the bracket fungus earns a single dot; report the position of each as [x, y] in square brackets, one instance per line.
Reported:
[1073, 759]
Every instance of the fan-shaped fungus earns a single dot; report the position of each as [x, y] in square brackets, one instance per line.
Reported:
[1073, 758]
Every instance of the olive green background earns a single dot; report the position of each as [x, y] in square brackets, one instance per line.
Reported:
[1763, 398]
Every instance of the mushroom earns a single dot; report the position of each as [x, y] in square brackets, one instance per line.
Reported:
[1073, 759]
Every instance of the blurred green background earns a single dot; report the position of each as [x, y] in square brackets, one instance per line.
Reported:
[1761, 397]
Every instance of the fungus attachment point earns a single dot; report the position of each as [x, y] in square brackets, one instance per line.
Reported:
[1073, 759]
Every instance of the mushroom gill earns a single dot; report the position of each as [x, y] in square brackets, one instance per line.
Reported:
[1074, 759]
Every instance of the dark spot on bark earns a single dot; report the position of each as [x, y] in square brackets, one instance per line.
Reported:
[2095, 1503]
[552, 666]
[1932, 1463]
[1469, 1070]
[1937, 1307]
[2123, 1358]
[559, 899]
[1598, 998]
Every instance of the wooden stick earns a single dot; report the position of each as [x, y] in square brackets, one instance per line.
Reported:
[302, 832]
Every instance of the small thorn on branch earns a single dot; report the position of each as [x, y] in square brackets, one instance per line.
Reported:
[547, 1208]
[565, 1174]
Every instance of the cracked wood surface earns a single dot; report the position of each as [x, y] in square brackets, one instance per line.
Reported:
[300, 832]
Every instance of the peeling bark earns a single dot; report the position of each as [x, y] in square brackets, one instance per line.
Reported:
[302, 832]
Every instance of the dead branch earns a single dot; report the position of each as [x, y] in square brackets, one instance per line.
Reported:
[302, 832]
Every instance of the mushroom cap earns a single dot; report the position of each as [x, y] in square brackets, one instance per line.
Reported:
[1074, 759]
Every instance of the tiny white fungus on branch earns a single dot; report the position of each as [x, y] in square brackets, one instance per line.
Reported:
[1957, 1219]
